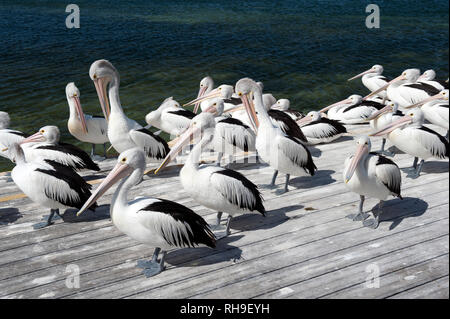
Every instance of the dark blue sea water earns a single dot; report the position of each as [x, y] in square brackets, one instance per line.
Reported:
[302, 50]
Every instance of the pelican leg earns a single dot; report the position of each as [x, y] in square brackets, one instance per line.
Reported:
[374, 222]
[104, 150]
[219, 158]
[93, 151]
[272, 183]
[415, 174]
[49, 220]
[221, 231]
[285, 190]
[152, 267]
[383, 151]
[361, 215]
[447, 135]
[219, 217]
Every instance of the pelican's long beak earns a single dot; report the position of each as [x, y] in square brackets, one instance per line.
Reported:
[79, 109]
[214, 93]
[250, 109]
[325, 109]
[398, 78]
[378, 113]
[182, 141]
[119, 171]
[100, 87]
[360, 151]
[201, 92]
[211, 109]
[394, 125]
[304, 121]
[360, 75]
[438, 96]
[36, 137]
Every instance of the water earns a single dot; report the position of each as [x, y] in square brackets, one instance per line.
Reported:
[301, 50]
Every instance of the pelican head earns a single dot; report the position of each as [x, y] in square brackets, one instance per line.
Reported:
[246, 88]
[202, 126]
[73, 98]
[49, 134]
[441, 96]
[310, 117]
[428, 75]
[129, 161]
[351, 100]
[4, 120]
[102, 72]
[206, 85]
[414, 116]
[376, 69]
[391, 107]
[409, 75]
[268, 100]
[224, 92]
[282, 105]
[215, 106]
[363, 148]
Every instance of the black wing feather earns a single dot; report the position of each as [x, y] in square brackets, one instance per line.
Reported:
[200, 234]
[395, 188]
[185, 113]
[434, 151]
[309, 166]
[290, 127]
[159, 154]
[429, 89]
[86, 161]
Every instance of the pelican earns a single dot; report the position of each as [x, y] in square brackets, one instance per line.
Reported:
[381, 118]
[155, 222]
[318, 129]
[373, 79]
[283, 105]
[123, 133]
[48, 184]
[8, 136]
[435, 109]
[410, 136]
[220, 189]
[230, 133]
[429, 77]
[85, 128]
[405, 90]
[282, 152]
[206, 88]
[371, 174]
[45, 143]
[170, 117]
[353, 110]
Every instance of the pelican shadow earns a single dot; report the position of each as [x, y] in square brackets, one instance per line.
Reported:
[321, 178]
[398, 210]
[101, 212]
[191, 257]
[273, 218]
[435, 167]
[9, 215]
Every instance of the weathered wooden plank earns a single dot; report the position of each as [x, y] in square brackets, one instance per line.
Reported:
[435, 289]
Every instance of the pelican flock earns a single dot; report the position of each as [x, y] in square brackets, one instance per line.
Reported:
[228, 120]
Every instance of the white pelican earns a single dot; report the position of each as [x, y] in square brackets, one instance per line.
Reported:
[318, 129]
[282, 152]
[410, 136]
[8, 136]
[353, 110]
[123, 133]
[405, 90]
[230, 134]
[429, 77]
[220, 189]
[85, 128]
[45, 143]
[170, 117]
[49, 184]
[155, 222]
[373, 79]
[435, 109]
[381, 118]
[283, 105]
[370, 174]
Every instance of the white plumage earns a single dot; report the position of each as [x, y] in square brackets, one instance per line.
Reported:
[320, 130]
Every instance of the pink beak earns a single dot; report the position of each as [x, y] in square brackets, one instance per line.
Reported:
[76, 99]
[378, 113]
[361, 74]
[394, 125]
[36, 137]
[431, 98]
[304, 121]
[100, 87]
[201, 92]
[399, 78]
[214, 93]
[360, 151]
[346, 101]
[119, 171]
[250, 109]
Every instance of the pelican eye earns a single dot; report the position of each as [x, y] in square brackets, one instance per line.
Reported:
[75, 95]
[240, 93]
[95, 76]
[42, 131]
[411, 114]
[123, 160]
[214, 104]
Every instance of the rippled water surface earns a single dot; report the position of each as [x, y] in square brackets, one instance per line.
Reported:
[302, 50]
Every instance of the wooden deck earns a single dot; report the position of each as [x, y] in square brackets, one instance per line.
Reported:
[304, 248]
